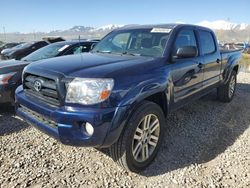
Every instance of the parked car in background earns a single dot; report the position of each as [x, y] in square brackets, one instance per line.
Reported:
[9, 50]
[118, 95]
[248, 51]
[24, 50]
[242, 45]
[53, 39]
[7, 45]
[60, 49]
[11, 70]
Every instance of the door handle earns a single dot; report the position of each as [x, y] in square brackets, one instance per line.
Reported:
[217, 60]
[200, 65]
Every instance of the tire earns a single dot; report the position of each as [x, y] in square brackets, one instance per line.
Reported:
[128, 151]
[226, 92]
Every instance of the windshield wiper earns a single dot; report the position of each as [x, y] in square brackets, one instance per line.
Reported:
[132, 54]
[123, 53]
[103, 52]
[109, 52]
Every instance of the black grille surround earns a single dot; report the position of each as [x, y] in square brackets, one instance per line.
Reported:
[47, 90]
[39, 117]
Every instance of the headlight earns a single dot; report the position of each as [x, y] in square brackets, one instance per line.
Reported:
[89, 90]
[4, 78]
[24, 70]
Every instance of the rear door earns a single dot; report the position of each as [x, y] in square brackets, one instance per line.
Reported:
[211, 57]
[187, 73]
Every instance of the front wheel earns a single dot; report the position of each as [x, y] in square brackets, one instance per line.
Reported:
[226, 92]
[139, 142]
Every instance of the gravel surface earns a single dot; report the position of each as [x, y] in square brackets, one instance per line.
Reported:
[207, 145]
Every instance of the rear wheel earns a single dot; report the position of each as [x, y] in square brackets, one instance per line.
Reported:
[138, 144]
[226, 92]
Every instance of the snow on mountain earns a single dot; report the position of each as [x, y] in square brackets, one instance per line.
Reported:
[244, 26]
[79, 29]
[223, 25]
[109, 27]
[215, 25]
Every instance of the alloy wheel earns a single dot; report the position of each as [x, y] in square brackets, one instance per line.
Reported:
[145, 138]
[232, 86]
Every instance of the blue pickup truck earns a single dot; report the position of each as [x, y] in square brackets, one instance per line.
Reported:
[118, 95]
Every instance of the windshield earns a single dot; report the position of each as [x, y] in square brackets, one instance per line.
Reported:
[46, 52]
[141, 42]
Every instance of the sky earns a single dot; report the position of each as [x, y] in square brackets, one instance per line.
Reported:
[47, 15]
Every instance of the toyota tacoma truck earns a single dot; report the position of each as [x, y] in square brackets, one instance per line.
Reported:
[118, 95]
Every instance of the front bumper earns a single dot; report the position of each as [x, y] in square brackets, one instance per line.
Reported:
[65, 123]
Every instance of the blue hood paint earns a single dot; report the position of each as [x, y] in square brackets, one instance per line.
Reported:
[93, 65]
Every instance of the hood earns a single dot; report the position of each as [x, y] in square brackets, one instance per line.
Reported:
[88, 64]
[11, 62]
[10, 65]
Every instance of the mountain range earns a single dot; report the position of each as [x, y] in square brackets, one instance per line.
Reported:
[215, 25]
[226, 31]
[224, 25]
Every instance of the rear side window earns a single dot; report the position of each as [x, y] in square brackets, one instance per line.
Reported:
[207, 42]
[184, 38]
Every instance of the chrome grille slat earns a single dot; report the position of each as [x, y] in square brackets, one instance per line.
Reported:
[47, 83]
[50, 93]
[47, 93]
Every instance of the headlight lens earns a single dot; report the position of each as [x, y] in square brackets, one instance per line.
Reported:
[4, 78]
[23, 72]
[89, 91]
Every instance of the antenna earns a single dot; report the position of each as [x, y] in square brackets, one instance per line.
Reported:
[79, 43]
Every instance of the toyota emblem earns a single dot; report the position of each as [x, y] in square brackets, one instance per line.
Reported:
[37, 85]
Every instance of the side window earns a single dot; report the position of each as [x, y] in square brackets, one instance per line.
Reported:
[207, 42]
[184, 38]
[121, 40]
[77, 50]
[73, 50]
[86, 48]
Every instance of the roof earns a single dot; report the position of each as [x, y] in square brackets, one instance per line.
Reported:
[167, 26]
[70, 42]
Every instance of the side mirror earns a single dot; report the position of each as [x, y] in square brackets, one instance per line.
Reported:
[33, 47]
[93, 45]
[187, 52]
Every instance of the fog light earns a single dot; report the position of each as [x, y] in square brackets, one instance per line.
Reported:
[89, 129]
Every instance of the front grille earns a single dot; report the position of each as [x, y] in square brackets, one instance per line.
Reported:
[38, 117]
[41, 88]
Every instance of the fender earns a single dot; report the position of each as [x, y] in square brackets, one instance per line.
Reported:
[146, 89]
[132, 100]
[231, 64]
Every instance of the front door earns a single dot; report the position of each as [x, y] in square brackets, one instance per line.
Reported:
[187, 73]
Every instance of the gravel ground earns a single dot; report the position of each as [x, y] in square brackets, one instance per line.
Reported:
[207, 145]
